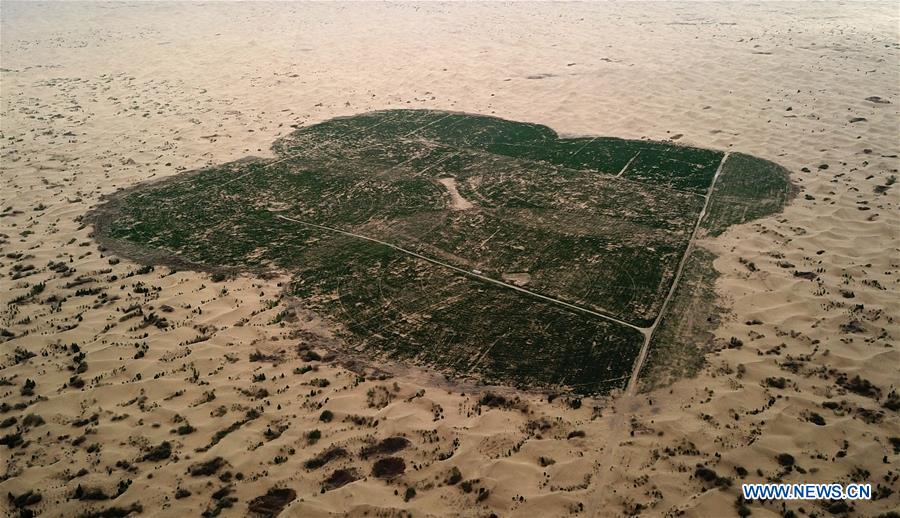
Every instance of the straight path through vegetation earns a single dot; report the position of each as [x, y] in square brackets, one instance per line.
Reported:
[648, 335]
[624, 406]
[470, 273]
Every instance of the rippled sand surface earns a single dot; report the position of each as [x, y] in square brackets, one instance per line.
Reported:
[137, 375]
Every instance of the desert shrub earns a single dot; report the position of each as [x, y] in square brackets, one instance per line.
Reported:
[389, 467]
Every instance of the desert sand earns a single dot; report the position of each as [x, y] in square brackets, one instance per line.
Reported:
[137, 374]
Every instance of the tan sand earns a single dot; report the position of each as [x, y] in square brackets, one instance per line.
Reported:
[457, 202]
[97, 97]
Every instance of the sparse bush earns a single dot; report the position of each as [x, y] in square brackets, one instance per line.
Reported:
[785, 459]
[388, 467]
[454, 477]
[159, 452]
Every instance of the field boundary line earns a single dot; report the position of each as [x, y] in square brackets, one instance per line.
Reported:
[471, 274]
[586, 144]
[642, 356]
[627, 165]
[625, 404]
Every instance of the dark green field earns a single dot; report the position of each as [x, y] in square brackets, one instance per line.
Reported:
[472, 244]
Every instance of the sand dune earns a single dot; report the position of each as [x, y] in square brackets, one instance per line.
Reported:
[178, 393]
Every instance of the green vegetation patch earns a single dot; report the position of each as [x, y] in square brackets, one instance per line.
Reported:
[684, 335]
[410, 308]
[472, 244]
[677, 167]
[748, 188]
